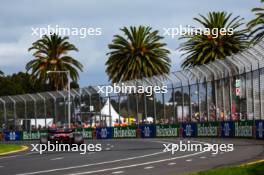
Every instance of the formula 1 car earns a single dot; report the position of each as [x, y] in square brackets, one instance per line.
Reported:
[62, 135]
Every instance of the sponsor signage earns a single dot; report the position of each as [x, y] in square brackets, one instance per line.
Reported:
[167, 130]
[32, 135]
[189, 130]
[87, 132]
[147, 131]
[104, 133]
[244, 129]
[207, 129]
[125, 132]
[12, 135]
[259, 129]
[227, 129]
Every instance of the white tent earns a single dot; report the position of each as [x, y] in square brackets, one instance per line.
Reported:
[108, 111]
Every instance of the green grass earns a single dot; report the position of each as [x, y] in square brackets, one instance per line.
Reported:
[254, 169]
[9, 147]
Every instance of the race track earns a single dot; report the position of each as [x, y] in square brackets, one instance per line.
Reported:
[131, 156]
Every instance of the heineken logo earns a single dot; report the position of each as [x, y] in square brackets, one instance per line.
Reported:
[32, 135]
[121, 133]
[243, 130]
[166, 132]
[87, 134]
[206, 130]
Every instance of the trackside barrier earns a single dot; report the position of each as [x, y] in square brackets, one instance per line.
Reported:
[238, 129]
[12, 136]
[189, 129]
[244, 129]
[167, 130]
[210, 129]
[32, 135]
[259, 129]
[227, 129]
[87, 132]
[147, 131]
[104, 133]
[125, 132]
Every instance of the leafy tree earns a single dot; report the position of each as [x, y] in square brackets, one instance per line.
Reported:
[257, 25]
[51, 54]
[220, 38]
[137, 54]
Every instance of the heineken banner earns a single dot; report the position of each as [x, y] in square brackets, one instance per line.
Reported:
[227, 129]
[209, 129]
[125, 132]
[259, 129]
[104, 133]
[244, 129]
[12, 135]
[87, 132]
[32, 135]
[167, 130]
[189, 130]
[147, 131]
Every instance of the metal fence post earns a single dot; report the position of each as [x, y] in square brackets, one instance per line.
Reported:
[4, 108]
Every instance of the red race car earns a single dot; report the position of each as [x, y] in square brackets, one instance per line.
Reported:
[62, 135]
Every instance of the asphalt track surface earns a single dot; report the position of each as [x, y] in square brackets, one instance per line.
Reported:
[131, 156]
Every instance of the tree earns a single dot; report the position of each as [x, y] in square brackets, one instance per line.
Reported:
[137, 54]
[51, 54]
[220, 38]
[20, 83]
[1, 73]
[257, 25]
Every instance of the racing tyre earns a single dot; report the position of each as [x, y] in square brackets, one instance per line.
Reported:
[78, 138]
[43, 139]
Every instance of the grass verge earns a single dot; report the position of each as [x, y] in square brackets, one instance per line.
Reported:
[247, 169]
[9, 148]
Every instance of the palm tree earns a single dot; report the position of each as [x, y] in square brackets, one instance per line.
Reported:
[51, 54]
[137, 54]
[206, 46]
[257, 25]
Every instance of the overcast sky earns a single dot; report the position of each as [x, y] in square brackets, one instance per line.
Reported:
[17, 18]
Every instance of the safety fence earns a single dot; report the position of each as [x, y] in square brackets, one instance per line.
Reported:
[225, 129]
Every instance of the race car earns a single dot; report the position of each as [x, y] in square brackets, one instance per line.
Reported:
[62, 135]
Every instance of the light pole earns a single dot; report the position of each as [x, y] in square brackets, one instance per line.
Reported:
[69, 93]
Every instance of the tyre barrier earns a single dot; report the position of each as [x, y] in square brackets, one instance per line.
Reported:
[225, 129]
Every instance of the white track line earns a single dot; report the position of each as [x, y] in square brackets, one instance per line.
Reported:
[93, 164]
[172, 163]
[118, 160]
[57, 158]
[9, 157]
[148, 167]
[117, 172]
[134, 165]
